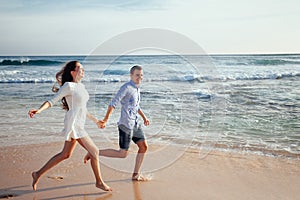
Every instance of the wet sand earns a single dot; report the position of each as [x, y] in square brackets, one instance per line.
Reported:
[218, 175]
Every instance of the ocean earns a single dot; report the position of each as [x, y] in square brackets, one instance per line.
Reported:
[241, 103]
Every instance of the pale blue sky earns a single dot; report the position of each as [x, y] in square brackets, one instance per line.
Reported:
[40, 27]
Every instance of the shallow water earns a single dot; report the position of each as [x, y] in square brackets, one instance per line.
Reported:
[243, 103]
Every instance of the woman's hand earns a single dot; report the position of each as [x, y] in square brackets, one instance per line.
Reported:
[31, 113]
[44, 106]
[101, 124]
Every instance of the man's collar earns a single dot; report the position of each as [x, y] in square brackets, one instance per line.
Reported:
[133, 84]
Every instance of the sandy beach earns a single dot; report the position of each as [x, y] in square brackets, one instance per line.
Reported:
[219, 175]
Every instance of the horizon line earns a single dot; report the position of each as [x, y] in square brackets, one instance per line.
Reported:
[208, 54]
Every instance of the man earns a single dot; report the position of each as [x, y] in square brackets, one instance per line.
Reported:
[129, 128]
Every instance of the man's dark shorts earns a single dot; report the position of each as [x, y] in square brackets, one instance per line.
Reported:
[126, 135]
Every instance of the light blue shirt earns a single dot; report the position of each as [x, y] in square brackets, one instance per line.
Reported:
[129, 97]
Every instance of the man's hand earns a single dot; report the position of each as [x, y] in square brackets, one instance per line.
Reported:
[146, 122]
[101, 124]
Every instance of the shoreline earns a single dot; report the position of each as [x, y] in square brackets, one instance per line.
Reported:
[222, 148]
[218, 175]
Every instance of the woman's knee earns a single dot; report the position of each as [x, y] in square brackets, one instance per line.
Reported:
[66, 155]
[94, 155]
[68, 149]
[89, 145]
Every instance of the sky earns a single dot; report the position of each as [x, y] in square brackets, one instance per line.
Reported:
[75, 27]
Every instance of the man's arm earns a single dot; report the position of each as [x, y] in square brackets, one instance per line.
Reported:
[146, 121]
[102, 123]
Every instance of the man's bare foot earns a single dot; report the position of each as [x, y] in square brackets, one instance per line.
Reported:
[139, 177]
[86, 158]
[35, 180]
[103, 186]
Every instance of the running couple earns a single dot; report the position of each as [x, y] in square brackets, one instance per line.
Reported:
[74, 98]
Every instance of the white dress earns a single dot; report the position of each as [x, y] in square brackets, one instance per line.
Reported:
[76, 96]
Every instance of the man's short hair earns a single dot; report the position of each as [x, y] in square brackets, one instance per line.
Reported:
[136, 67]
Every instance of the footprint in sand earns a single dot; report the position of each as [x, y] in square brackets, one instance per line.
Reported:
[56, 177]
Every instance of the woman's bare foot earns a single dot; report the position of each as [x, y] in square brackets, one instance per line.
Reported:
[139, 177]
[35, 180]
[86, 158]
[103, 186]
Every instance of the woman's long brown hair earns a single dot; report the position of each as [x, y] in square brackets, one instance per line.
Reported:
[64, 75]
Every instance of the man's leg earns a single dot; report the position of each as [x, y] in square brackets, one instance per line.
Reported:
[113, 153]
[143, 146]
[108, 153]
[124, 142]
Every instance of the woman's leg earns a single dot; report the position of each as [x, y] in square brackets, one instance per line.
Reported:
[67, 151]
[92, 149]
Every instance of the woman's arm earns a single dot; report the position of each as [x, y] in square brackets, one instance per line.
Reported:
[102, 123]
[63, 91]
[91, 117]
[43, 107]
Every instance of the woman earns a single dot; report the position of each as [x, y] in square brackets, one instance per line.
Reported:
[74, 98]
